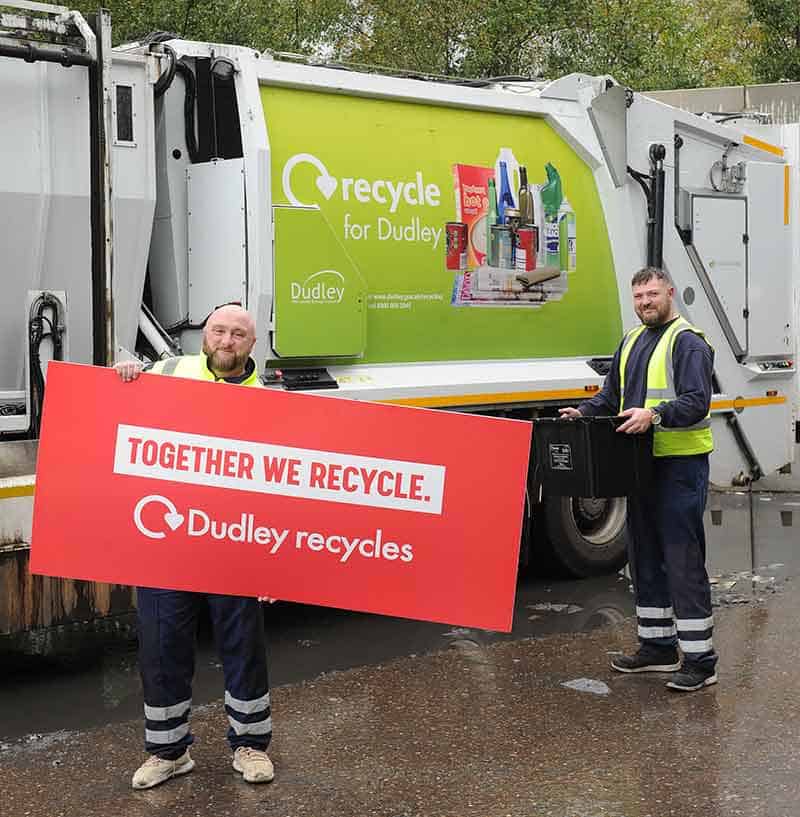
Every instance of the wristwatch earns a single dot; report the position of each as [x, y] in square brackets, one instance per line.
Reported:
[655, 418]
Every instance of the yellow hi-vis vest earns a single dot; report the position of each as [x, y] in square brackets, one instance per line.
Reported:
[195, 367]
[667, 442]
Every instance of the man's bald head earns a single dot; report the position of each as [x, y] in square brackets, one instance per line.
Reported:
[228, 338]
[232, 313]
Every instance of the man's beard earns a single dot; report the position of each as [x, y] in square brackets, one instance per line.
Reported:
[224, 362]
[656, 318]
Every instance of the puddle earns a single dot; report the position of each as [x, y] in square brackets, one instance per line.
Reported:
[588, 685]
[303, 643]
[752, 542]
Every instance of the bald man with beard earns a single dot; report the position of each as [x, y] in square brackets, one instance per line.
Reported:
[168, 618]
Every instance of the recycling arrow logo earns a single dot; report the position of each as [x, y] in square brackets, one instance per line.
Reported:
[326, 184]
[172, 518]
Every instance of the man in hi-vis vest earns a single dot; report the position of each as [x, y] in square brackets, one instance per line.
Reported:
[661, 376]
[167, 618]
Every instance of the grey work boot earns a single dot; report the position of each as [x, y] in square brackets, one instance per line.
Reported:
[692, 677]
[648, 658]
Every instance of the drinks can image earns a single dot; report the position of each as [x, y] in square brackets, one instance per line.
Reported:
[502, 247]
[527, 246]
[512, 217]
[456, 245]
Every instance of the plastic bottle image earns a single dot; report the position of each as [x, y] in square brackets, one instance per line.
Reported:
[538, 220]
[551, 199]
[491, 220]
[505, 197]
[512, 168]
[566, 236]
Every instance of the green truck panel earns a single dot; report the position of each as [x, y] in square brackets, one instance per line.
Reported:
[319, 292]
[385, 174]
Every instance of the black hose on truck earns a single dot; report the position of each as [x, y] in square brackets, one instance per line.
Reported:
[655, 243]
[40, 327]
[653, 187]
[181, 67]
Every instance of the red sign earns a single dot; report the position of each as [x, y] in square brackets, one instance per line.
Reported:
[168, 482]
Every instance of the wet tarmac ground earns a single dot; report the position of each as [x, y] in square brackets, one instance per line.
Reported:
[376, 716]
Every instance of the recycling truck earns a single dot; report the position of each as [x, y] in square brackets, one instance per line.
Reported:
[416, 241]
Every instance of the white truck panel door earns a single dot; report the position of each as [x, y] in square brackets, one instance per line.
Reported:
[718, 228]
[217, 236]
[770, 272]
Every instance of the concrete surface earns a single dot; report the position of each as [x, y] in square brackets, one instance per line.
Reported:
[483, 729]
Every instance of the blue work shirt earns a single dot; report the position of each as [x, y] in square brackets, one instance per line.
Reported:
[693, 365]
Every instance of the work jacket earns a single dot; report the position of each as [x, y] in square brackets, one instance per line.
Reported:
[195, 367]
[667, 442]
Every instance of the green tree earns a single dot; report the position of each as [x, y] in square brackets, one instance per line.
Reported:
[646, 44]
[429, 36]
[778, 55]
[643, 43]
[281, 25]
[650, 44]
[516, 37]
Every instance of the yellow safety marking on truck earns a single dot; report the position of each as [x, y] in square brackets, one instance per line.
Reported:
[9, 491]
[444, 401]
[757, 143]
[786, 194]
[745, 402]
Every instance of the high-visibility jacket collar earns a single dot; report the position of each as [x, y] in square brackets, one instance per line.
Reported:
[196, 367]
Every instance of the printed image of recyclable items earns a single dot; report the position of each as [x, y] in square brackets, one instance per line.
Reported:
[509, 248]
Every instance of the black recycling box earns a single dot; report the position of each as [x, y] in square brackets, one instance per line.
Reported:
[586, 456]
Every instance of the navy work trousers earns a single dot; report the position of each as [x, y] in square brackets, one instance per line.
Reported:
[167, 632]
[667, 555]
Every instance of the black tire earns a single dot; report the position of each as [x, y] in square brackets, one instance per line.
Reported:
[587, 537]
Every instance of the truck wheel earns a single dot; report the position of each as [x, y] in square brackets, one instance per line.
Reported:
[587, 536]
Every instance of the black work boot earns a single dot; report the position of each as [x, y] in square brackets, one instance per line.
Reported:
[692, 677]
[648, 658]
